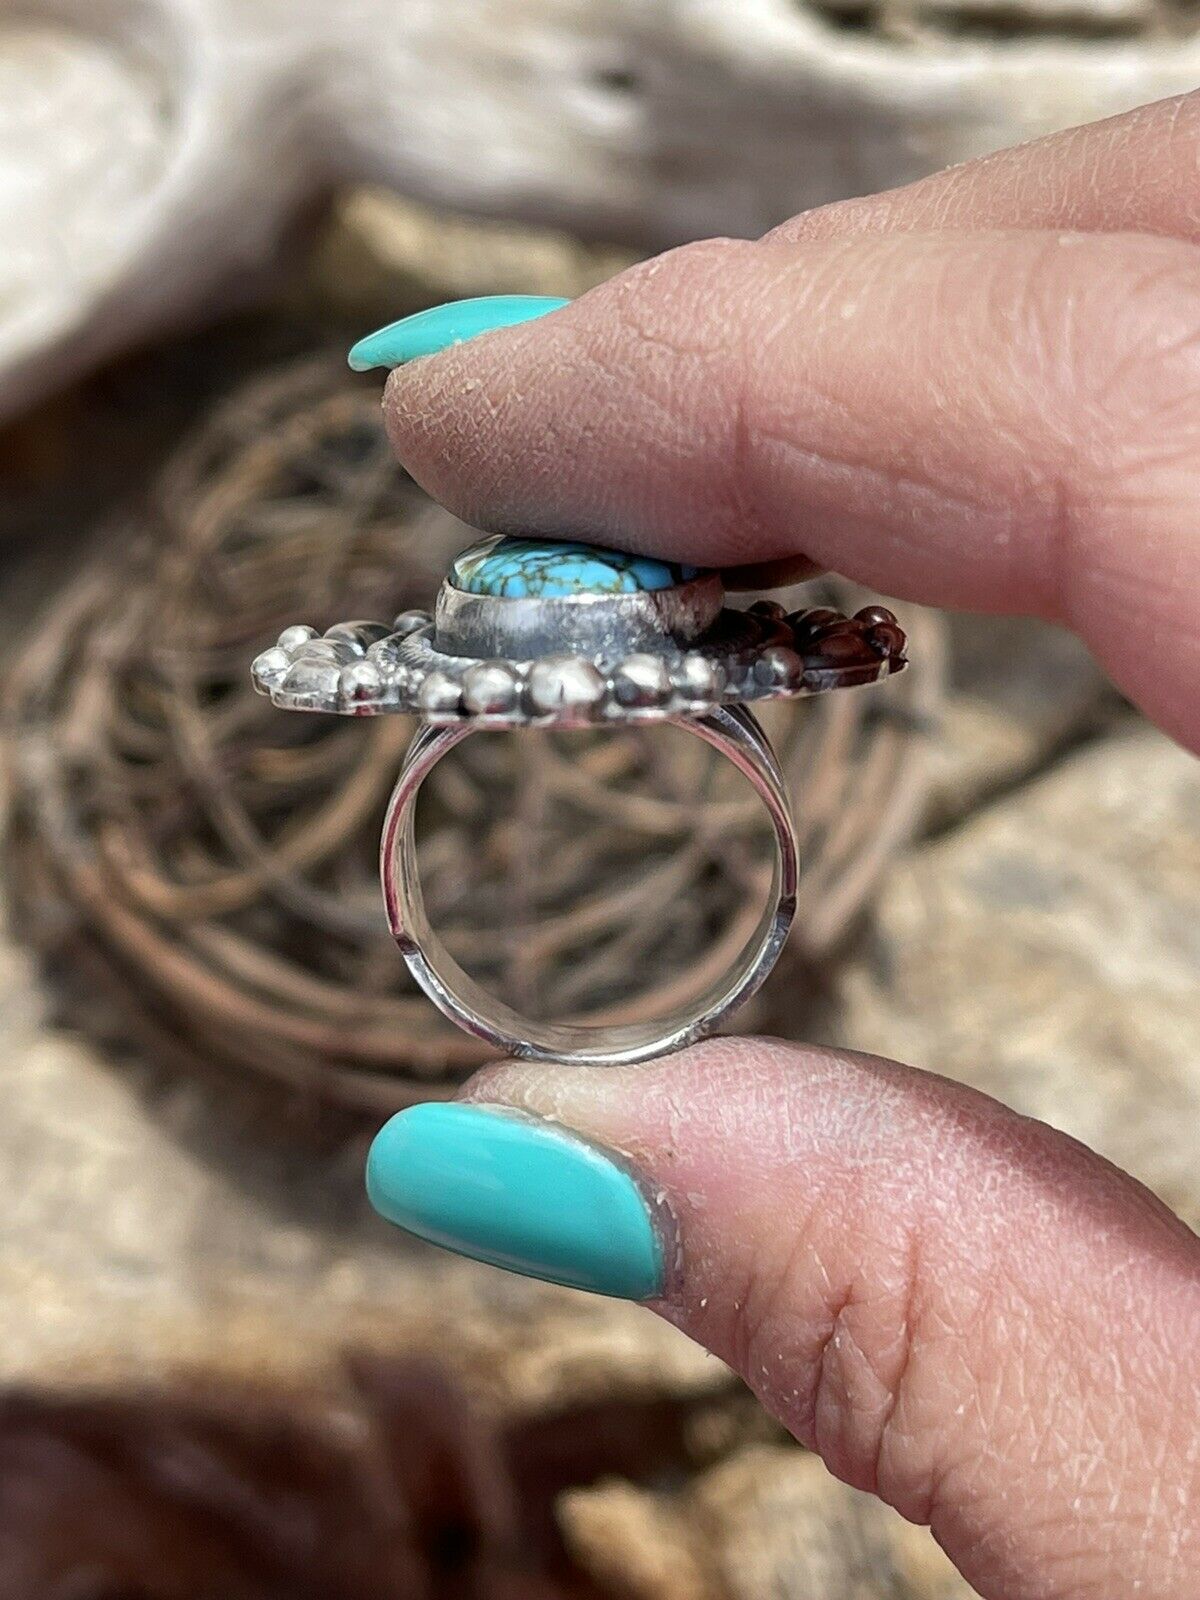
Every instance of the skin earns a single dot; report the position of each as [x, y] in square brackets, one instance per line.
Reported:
[979, 391]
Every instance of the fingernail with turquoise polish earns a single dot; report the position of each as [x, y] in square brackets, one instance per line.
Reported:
[427, 332]
[518, 1193]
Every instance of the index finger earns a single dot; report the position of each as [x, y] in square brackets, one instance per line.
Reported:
[993, 421]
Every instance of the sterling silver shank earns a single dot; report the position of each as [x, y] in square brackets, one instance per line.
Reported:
[731, 730]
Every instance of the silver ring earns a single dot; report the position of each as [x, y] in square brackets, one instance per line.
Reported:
[530, 633]
[732, 731]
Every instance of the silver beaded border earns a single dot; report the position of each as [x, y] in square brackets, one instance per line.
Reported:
[371, 669]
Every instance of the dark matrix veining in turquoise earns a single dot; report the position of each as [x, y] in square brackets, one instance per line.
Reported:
[557, 569]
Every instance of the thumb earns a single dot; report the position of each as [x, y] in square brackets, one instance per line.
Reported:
[962, 1311]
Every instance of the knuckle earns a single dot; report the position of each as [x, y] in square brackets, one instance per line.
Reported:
[1117, 335]
[866, 1376]
[1147, 356]
[1175, 128]
[858, 1385]
[697, 265]
[679, 301]
[1138, 360]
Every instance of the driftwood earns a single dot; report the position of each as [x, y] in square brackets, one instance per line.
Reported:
[154, 152]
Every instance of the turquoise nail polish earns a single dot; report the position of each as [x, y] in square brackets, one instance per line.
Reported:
[517, 1193]
[427, 332]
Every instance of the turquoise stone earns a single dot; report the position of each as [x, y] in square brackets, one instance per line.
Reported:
[555, 569]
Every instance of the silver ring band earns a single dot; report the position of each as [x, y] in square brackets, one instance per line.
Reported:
[737, 735]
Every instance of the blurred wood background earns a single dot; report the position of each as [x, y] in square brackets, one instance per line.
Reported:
[192, 1288]
[156, 154]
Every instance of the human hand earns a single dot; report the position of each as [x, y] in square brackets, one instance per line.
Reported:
[981, 391]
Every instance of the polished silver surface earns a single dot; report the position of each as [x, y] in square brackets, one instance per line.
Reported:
[562, 687]
[603, 627]
[736, 734]
[763, 653]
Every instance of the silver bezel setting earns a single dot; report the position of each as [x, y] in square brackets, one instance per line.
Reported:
[602, 627]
